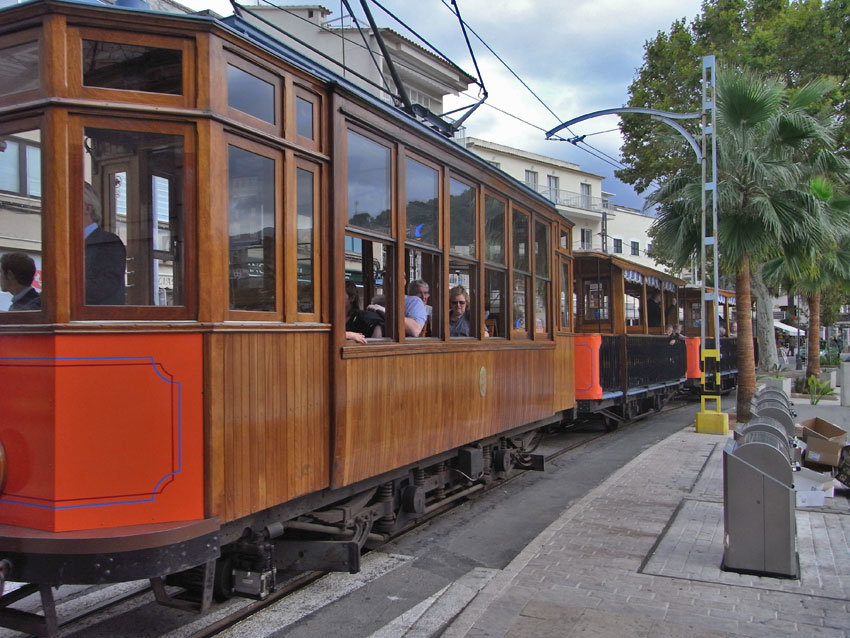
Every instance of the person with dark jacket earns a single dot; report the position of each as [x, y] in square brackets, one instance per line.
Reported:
[106, 257]
[17, 272]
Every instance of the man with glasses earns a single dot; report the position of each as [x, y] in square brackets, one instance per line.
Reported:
[458, 318]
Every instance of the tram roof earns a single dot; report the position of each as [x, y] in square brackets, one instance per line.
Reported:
[247, 31]
[625, 264]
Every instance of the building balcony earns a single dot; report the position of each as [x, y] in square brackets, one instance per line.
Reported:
[571, 199]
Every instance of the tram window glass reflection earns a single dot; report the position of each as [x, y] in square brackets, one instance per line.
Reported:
[306, 207]
[541, 277]
[522, 274]
[369, 184]
[462, 209]
[369, 265]
[133, 218]
[130, 67]
[565, 295]
[494, 302]
[21, 220]
[251, 230]
[422, 189]
[250, 94]
[423, 265]
[634, 315]
[304, 118]
[463, 273]
[494, 230]
[596, 300]
[19, 71]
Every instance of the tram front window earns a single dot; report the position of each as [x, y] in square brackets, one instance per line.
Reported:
[20, 219]
[133, 218]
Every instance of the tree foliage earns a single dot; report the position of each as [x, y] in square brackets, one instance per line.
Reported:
[795, 41]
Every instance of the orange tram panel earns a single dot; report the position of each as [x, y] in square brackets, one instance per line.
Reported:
[101, 430]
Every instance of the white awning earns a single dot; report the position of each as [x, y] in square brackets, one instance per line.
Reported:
[786, 328]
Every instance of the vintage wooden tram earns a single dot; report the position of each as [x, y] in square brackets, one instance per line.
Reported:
[214, 425]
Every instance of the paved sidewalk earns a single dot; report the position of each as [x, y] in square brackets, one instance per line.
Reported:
[640, 556]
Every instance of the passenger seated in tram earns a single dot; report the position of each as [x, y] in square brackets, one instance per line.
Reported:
[675, 333]
[106, 257]
[458, 315]
[360, 324]
[17, 272]
[417, 289]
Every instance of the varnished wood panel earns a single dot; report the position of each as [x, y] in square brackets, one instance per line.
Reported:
[267, 400]
[403, 409]
[564, 370]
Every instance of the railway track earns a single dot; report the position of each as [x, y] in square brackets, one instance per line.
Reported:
[87, 610]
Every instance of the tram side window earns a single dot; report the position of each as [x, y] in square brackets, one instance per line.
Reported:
[463, 271]
[369, 184]
[542, 277]
[133, 218]
[21, 220]
[495, 276]
[306, 210]
[565, 295]
[19, 71]
[596, 300]
[522, 274]
[634, 312]
[250, 94]
[251, 229]
[130, 67]
[369, 267]
[422, 210]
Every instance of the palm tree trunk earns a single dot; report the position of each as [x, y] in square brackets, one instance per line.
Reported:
[768, 358]
[813, 336]
[746, 353]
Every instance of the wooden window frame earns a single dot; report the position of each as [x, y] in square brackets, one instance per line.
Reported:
[277, 81]
[281, 270]
[441, 209]
[77, 89]
[317, 143]
[189, 309]
[396, 205]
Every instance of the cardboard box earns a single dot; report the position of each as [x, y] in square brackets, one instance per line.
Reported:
[818, 428]
[823, 452]
[810, 499]
[807, 480]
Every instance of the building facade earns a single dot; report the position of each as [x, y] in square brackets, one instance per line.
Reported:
[601, 225]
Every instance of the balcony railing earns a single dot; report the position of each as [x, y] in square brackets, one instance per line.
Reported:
[572, 199]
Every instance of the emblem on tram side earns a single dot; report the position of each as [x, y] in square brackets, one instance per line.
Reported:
[482, 381]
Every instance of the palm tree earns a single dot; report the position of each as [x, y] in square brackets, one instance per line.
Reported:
[818, 264]
[768, 141]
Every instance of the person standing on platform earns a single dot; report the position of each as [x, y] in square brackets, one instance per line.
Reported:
[106, 257]
[17, 272]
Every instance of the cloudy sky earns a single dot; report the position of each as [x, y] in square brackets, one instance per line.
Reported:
[578, 56]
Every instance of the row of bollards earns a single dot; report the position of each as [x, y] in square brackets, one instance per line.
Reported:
[758, 490]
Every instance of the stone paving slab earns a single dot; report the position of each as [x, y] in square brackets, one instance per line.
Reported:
[638, 556]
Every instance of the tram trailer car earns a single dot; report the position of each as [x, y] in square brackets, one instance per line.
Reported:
[200, 418]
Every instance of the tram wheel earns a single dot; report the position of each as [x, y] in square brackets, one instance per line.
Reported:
[610, 423]
[223, 579]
